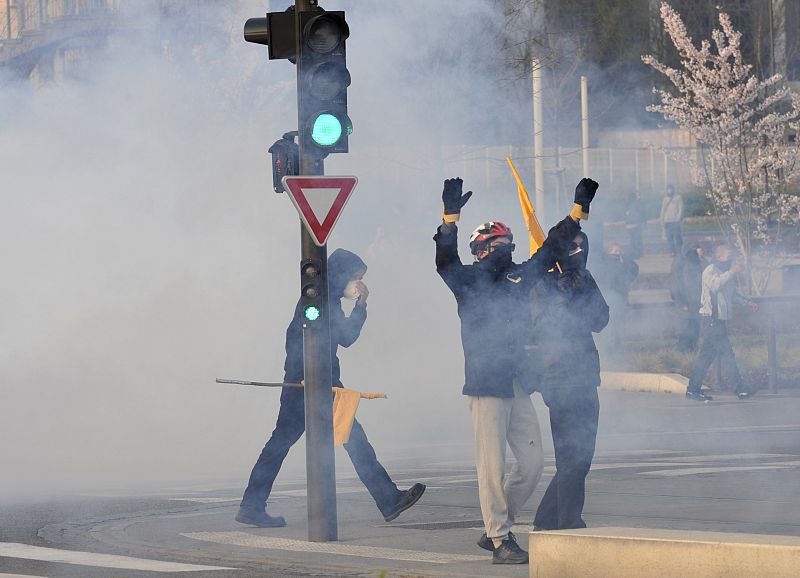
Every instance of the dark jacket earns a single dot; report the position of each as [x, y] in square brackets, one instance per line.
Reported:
[686, 280]
[494, 307]
[615, 275]
[568, 308]
[343, 266]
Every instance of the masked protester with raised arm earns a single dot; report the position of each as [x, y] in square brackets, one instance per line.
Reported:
[493, 298]
[568, 307]
[345, 281]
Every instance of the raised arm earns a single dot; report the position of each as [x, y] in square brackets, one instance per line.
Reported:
[448, 263]
[559, 237]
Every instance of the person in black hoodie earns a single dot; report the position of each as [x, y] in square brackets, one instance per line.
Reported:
[686, 282]
[493, 298]
[568, 307]
[345, 273]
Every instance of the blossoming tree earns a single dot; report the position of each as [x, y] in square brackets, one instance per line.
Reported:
[747, 132]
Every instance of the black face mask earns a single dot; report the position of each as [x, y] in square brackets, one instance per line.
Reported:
[724, 265]
[499, 258]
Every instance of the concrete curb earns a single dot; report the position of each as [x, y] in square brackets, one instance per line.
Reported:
[654, 553]
[653, 382]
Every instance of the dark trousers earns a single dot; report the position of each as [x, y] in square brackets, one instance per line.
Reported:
[715, 344]
[574, 412]
[689, 333]
[674, 237]
[290, 426]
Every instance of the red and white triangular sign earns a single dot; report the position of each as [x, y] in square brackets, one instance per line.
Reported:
[320, 201]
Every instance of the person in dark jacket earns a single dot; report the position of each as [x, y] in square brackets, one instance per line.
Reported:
[345, 273]
[615, 273]
[493, 298]
[686, 280]
[568, 308]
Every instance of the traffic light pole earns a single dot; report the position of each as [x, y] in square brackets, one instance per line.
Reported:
[320, 465]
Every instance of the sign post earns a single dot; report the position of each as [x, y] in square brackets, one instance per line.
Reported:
[320, 201]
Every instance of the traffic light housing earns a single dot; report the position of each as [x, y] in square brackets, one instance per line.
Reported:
[285, 160]
[323, 79]
[277, 31]
[312, 292]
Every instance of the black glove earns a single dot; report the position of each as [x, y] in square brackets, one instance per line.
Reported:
[453, 199]
[584, 193]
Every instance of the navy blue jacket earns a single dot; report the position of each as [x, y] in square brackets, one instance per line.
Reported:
[494, 307]
[566, 313]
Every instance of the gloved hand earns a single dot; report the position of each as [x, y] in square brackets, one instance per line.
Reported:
[453, 199]
[584, 193]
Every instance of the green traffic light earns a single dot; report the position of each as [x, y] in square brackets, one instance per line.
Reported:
[327, 130]
[312, 313]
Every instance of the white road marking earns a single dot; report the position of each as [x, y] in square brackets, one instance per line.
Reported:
[20, 576]
[256, 541]
[718, 470]
[720, 457]
[28, 552]
[202, 500]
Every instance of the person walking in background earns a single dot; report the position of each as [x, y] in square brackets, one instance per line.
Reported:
[568, 307]
[345, 281]
[671, 217]
[616, 273]
[491, 294]
[717, 297]
[685, 287]
[635, 221]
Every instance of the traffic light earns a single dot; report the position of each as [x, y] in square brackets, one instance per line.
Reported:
[285, 160]
[311, 292]
[323, 79]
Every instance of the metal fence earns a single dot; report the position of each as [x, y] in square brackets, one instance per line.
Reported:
[620, 170]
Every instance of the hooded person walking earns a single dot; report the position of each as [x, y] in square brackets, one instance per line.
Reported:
[568, 309]
[493, 298]
[345, 281]
[686, 281]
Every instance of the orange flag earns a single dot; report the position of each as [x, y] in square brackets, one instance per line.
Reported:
[345, 404]
[528, 212]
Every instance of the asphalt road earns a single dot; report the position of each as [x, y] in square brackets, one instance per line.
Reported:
[662, 462]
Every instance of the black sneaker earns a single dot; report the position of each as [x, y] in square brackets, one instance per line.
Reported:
[509, 552]
[487, 543]
[407, 499]
[697, 395]
[746, 394]
[259, 518]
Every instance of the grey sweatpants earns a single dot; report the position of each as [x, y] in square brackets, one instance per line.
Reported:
[497, 421]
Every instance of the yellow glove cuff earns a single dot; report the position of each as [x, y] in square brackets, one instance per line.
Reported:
[450, 218]
[577, 212]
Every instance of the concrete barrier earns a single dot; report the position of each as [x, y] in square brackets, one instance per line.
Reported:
[635, 381]
[652, 553]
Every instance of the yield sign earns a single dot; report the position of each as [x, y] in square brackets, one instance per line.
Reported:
[320, 201]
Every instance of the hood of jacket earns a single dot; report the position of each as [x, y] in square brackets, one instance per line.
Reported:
[343, 267]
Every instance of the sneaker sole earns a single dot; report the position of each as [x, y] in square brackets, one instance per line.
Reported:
[526, 561]
[280, 524]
